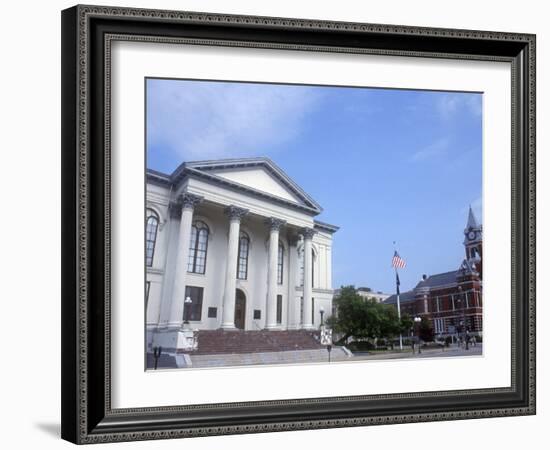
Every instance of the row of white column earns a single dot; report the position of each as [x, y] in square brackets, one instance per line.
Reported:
[187, 202]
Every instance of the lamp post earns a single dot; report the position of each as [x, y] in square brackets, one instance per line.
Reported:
[326, 339]
[322, 312]
[462, 299]
[157, 351]
[187, 303]
[417, 321]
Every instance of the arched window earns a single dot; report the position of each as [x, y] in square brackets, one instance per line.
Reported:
[151, 228]
[242, 260]
[198, 247]
[280, 263]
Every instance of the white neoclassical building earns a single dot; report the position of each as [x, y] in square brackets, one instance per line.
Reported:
[233, 244]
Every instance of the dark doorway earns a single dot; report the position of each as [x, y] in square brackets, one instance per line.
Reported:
[240, 309]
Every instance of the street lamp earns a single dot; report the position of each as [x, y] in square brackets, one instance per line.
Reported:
[462, 299]
[417, 321]
[187, 302]
[157, 351]
[326, 339]
[322, 312]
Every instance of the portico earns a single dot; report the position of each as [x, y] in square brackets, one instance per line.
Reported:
[234, 229]
[235, 214]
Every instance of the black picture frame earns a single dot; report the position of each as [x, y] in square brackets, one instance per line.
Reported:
[87, 416]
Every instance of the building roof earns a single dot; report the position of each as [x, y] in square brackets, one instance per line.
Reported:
[363, 290]
[404, 297]
[209, 171]
[323, 226]
[439, 279]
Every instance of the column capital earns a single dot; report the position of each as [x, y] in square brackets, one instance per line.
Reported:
[235, 212]
[188, 200]
[308, 233]
[274, 223]
[183, 201]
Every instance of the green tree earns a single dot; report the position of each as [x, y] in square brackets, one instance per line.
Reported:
[350, 319]
[362, 318]
[406, 324]
[426, 331]
[374, 319]
[390, 326]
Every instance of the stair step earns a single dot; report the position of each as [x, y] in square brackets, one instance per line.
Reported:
[225, 342]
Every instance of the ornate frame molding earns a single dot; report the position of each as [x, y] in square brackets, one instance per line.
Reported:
[87, 416]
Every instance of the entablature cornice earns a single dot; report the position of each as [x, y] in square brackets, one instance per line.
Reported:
[256, 206]
[192, 174]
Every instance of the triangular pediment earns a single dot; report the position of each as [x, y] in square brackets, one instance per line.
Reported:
[259, 179]
[260, 175]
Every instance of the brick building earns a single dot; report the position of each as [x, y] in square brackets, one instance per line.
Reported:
[450, 299]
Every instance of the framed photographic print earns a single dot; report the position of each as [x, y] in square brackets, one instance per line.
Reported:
[255, 209]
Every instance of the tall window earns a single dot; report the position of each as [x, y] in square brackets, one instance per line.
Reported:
[302, 262]
[279, 308]
[439, 326]
[151, 229]
[280, 263]
[198, 247]
[242, 260]
[147, 288]
[312, 268]
[193, 310]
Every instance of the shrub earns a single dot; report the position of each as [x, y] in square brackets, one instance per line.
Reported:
[361, 346]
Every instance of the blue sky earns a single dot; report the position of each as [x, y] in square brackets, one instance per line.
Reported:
[385, 164]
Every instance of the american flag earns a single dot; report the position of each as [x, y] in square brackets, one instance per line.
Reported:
[397, 261]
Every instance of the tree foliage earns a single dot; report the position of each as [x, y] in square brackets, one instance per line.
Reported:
[363, 318]
[426, 331]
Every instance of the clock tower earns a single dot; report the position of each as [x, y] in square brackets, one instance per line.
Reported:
[473, 241]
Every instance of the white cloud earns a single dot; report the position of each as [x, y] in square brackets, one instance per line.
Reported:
[435, 149]
[202, 120]
[451, 103]
[475, 104]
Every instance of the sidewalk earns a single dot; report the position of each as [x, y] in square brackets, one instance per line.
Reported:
[426, 353]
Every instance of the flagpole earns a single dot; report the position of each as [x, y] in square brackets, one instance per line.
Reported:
[398, 303]
[398, 308]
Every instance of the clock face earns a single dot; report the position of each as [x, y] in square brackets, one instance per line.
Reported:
[471, 235]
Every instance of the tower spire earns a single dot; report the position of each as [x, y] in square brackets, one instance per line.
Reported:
[473, 242]
[472, 221]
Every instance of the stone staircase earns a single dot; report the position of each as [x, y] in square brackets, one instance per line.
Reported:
[212, 342]
[249, 359]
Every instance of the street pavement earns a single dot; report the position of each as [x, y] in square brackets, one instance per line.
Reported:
[425, 353]
[305, 356]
